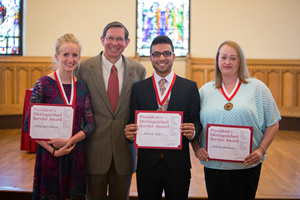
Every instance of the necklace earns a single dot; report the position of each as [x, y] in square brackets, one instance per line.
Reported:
[62, 91]
[161, 102]
[228, 106]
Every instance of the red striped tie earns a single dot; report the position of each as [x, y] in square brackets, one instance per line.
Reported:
[162, 89]
[113, 88]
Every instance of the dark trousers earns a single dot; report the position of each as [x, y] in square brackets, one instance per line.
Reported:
[118, 185]
[151, 183]
[232, 184]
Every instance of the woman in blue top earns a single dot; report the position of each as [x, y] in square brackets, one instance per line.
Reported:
[236, 99]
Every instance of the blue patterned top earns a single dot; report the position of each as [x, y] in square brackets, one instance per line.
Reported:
[253, 105]
[63, 177]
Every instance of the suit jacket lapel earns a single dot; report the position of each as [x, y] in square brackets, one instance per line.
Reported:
[151, 91]
[127, 83]
[97, 76]
[174, 92]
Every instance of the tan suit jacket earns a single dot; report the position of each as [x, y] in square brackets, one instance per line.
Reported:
[108, 141]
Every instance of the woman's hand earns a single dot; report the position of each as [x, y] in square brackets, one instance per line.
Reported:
[58, 142]
[64, 150]
[202, 154]
[254, 157]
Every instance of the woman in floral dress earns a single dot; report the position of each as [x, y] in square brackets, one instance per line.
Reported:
[60, 171]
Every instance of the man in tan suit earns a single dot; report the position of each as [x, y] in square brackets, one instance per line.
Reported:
[110, 157]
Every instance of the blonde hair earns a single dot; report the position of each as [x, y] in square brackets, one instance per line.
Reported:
[67, 37]
[243, 69]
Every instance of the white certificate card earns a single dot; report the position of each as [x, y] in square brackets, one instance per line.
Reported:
[228, 143]
[158, 129]
[51, 121]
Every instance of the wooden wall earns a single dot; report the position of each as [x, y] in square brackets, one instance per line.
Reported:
[18, 74]
[281, 76]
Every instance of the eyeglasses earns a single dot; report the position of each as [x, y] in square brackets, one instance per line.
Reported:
[157, 54]
[118, 39]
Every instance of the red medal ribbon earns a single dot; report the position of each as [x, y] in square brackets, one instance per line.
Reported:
[236, 90]
[62, 91]
[156, 91]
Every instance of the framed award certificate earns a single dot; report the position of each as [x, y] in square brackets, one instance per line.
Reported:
[158, 129]
[228, 143]
[51, 121]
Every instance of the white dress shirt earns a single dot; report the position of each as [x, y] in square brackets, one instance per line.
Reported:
[168, 83]
[106, 70]
[169, 79]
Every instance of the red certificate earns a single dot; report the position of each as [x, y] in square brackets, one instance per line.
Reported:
[228, 143]
[51, 121]
[158, 129]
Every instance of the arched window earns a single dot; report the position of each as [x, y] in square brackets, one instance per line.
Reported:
[11, 20]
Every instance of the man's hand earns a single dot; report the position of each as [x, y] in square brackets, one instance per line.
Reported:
[188, 130]
[130, 131]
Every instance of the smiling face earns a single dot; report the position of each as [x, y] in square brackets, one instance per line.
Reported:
[113, 49]
[68, 57]
[228, 61]
[162, 65]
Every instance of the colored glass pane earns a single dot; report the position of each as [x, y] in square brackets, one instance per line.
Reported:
[163, 17]
[11, 27]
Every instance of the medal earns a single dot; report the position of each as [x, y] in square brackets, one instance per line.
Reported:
[160, 109]
[228, 106]
[161, 102]
[62, 91]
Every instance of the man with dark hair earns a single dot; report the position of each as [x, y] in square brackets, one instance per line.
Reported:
[110, 157]
[165, 169]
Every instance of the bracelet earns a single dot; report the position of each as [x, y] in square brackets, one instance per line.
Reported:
[265, 152]
[53, 152]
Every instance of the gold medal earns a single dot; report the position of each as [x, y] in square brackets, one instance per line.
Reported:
[160, 109]
[228, 106]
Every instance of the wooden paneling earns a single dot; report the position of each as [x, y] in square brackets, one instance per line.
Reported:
[281, 76]
[18, 74]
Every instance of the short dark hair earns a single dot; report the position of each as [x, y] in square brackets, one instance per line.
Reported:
[162, 39]
[115, 24]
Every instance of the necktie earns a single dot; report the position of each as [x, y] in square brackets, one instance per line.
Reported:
[162, 89]
[113, 88]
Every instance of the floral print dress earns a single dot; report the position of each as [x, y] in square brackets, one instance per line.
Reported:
[63, 177]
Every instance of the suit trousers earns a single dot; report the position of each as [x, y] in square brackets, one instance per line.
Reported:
[118, 185]
[232, 184]
[151, 183]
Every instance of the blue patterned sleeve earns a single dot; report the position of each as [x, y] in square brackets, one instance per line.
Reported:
[37, 96]
[271, 112]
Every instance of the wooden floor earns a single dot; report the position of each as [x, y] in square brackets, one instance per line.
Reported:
[280, 177]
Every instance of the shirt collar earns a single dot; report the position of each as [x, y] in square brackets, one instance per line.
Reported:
[169, 77]
[108, 65]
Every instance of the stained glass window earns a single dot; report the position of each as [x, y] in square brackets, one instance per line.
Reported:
[163, 17]
[11, 27]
